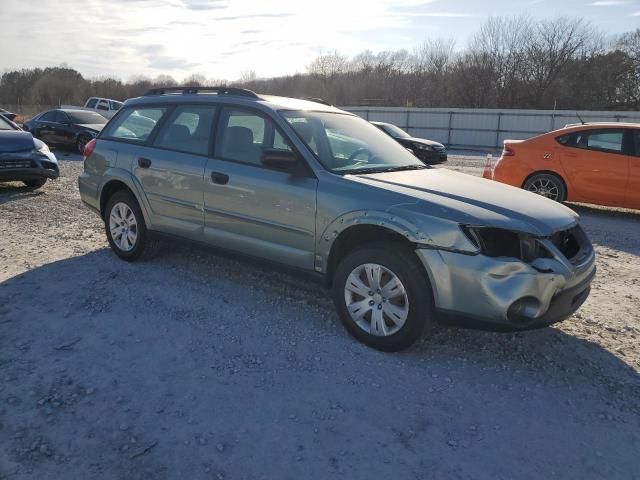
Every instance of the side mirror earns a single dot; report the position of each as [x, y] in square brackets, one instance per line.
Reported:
[280, 159]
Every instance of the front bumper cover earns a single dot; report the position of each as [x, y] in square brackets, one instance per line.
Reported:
[29, 166]
[506, 291]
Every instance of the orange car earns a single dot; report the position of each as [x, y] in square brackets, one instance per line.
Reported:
[592, 163]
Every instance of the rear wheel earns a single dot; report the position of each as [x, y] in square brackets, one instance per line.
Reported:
[125, 228]
[383, 296]
[548, 185]
[35, 183]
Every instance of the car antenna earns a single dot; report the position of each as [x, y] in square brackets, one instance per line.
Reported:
[580, 118]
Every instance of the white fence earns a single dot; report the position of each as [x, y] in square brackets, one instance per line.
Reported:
[482, 128]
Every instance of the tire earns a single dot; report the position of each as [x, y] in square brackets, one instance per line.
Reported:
[143, 246]
[416, 299]
[548, 185]
[35, 184]
[81, 143]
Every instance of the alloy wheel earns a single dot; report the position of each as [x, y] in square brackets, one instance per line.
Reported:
[545, 187]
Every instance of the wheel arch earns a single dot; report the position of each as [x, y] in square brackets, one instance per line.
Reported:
[356, 236]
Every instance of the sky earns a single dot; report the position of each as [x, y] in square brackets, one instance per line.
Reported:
[221, 39]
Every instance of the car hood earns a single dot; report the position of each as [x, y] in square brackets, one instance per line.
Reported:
[15, 141]
[472, 200]
[92, 126]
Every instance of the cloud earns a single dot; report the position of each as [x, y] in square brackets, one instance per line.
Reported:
[609, 3]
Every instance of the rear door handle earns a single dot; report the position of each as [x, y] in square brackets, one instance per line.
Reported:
[144, 162]
[219, 178]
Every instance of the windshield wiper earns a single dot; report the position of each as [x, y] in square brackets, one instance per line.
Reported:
[386, 169]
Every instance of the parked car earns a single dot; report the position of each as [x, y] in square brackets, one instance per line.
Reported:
[106, 107]
[396, 240]
[427, 151]
[66, 127]
[24, 158]
[7, 114]
[593, 163]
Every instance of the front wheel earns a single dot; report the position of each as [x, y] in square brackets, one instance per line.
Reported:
[383, 296]
[125, 227]
[547, 185]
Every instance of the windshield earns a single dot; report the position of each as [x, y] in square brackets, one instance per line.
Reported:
[348, 144]
[395, 132]
[86, 117]
[4, 124]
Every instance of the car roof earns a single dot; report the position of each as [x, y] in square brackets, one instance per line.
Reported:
[596, 126]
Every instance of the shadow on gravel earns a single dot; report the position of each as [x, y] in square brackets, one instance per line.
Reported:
[196, 365]
[16, 191]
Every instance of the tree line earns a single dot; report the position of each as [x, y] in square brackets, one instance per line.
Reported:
[517, 62]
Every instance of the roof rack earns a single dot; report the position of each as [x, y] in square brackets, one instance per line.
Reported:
[239, 92]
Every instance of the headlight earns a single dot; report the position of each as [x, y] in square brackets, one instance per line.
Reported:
[498, 242]
[422, 146]
[43, 149]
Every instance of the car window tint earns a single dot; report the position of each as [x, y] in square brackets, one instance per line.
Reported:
[610, 140]
[92, 103]
[636, 140]
[61, 117]
[47, 117]
[135, 124]
[243, 135]
[279, 142]
[188, 129]
[305, 131]
[115, 105]
[566, 139]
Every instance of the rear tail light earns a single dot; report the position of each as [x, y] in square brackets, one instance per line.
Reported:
[507, 151]
[88, 149]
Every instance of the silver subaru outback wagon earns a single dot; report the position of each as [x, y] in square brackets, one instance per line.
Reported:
[313, 187]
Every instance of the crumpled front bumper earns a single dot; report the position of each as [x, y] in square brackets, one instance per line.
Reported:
[507, 291]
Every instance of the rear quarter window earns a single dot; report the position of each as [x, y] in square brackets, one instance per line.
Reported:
[135, 124]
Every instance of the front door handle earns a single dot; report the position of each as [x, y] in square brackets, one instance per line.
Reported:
[144, 162]
[219, 178]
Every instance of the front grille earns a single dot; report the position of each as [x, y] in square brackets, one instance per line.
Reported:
[15, 164]
[567, 242]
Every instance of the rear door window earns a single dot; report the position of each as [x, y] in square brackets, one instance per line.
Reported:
[135, 124]
[61, 117]
[47, 117]
[188, 129]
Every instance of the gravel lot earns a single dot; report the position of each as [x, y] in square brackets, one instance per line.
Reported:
[200, 366]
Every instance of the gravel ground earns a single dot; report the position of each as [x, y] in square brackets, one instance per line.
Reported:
[200, 366]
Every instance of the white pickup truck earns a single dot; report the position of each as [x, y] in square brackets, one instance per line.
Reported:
[104, 106]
